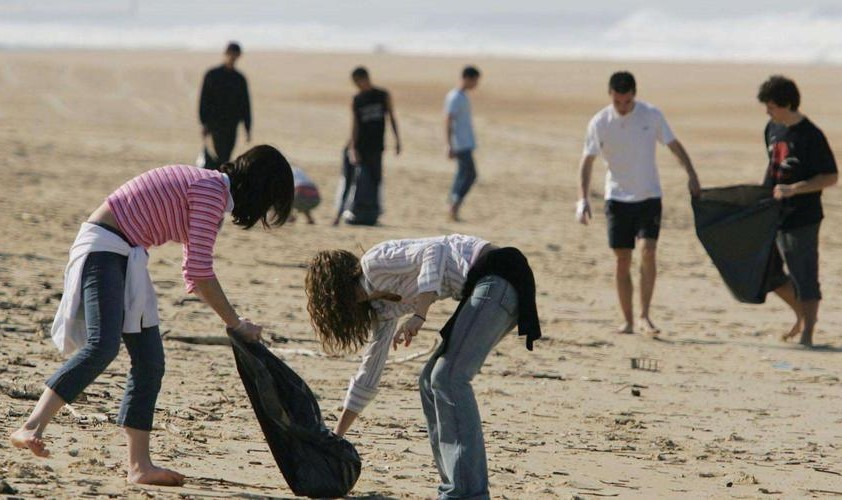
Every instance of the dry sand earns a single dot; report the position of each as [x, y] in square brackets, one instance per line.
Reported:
[733, 411]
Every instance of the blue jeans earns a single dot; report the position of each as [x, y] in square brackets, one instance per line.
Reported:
[466, 175]
[103, 284]
[453, 420]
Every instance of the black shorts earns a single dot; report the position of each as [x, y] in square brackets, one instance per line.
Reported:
[799, 248]
[628, 221]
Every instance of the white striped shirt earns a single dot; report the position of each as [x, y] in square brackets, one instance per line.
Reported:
[407, 268]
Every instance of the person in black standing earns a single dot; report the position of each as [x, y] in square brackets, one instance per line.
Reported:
[224, 103]
[801, 165]
[370, 108]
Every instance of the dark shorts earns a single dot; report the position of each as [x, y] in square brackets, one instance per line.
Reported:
[799, 248]
[629, 221]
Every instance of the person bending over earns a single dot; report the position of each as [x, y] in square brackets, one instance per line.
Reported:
[109, 296]
[382, 300]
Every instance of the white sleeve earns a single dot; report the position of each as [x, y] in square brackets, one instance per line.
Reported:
[451, 103]
[363, 387]
[431, 274]
[593, 145]
[665, 135]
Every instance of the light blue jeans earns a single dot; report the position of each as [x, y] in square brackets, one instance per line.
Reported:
[453, 420]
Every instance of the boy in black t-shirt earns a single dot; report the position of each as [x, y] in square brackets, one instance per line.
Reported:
[801, 164]
[370, 108]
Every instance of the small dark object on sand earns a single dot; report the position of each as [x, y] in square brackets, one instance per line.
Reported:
[635, 392]
[7, 489]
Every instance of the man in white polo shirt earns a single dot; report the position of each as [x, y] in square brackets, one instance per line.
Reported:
[625, 133]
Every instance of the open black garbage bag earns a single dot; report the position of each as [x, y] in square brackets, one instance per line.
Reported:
[314, 461]
[737, 226]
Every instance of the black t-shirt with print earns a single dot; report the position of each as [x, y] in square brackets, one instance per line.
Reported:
[370, 114]
[798, 153]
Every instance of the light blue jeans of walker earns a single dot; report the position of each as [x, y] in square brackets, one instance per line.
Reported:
[453, 420]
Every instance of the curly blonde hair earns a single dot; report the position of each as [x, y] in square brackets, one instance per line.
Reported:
[341, 320]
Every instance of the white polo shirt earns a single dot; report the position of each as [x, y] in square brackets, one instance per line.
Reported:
[627, 144]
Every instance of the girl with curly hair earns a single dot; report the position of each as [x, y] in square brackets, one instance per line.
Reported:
[357, 302]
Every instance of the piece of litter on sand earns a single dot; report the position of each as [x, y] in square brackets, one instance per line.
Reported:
[784, 366]
[645, 364]
[414, 355]
[769, 492]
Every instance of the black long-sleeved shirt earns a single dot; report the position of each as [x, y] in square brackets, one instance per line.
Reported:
[225, 99]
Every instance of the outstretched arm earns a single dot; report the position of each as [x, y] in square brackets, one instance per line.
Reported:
[390, 109]
[210, 291]
[363, 387]
[693, 180]
[583, 209]
[355, 134]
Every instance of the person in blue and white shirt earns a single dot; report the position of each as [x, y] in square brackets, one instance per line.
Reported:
[460, 138]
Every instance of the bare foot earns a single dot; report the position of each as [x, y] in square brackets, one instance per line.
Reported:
[157, 476]
[453, 214]
[24, 438]
[649, 327]
[625, 328]
[806, 339]
[796, 329]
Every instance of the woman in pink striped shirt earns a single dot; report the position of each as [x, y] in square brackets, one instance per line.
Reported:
[109, 293]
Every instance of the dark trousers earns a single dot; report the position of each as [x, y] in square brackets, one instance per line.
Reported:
[466, 175]
[103, 285]
[361, 196]
[799, 248]
[224, 138]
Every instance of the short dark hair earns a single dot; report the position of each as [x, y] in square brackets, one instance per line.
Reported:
[780, 90]
[261, 180]
[622, 82]
[470, 72]
[359, 73]
[233, 48]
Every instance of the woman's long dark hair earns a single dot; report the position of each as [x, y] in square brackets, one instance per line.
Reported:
[261, 181]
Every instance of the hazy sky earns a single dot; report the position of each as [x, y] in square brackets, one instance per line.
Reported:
[360, 11]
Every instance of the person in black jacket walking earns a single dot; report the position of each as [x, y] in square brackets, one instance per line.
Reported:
[223, 104]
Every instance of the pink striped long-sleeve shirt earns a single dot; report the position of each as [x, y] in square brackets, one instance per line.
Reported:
[174, 203]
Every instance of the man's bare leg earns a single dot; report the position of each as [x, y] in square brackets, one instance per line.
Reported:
[787, 293]
[648, 273]
[141, 470]
[30, 435]
[625, 288]
[811, 314]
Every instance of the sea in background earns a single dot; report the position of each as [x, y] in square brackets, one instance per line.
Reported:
[714, 30]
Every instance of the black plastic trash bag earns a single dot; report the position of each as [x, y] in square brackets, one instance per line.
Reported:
[314, 461]
[737, 226]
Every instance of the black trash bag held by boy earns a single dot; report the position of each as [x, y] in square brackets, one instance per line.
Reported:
[737, 225]
[315, 462]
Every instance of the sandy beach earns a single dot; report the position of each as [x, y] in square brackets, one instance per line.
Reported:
[733, 412]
